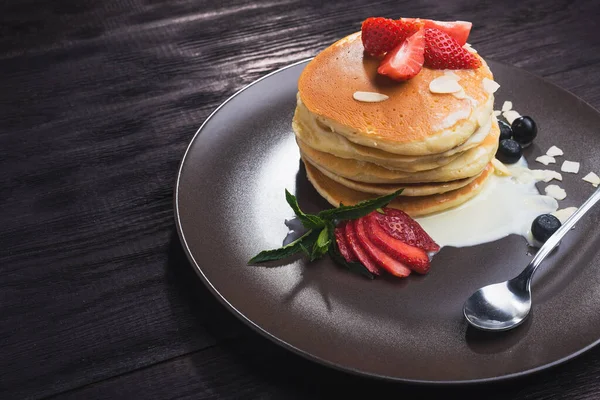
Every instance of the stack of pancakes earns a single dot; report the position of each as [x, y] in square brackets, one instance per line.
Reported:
[437, 147]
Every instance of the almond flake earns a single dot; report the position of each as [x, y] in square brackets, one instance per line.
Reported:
[444, 84]
[499, 168]
[570, 167]
[554, 151]
[369, 97]
[546, 160]
[497, 113]
[556, 191]
[564, 214]
[592, 178]
[510, 115]
[507, 106]
[461, 94]
[490, 86]
[451, 74]
[470, 49]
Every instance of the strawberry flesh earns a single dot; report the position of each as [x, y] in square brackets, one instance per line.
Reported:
[342, 243]
[399, 225]
[357, 251]
[443, 52]
[380, 35]
[459, 30]
[405, 60]
[414, 257]
[383, 259]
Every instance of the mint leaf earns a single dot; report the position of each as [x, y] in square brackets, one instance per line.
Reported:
[303, 243]
[321, 245]
[309, 221]
[359, 210]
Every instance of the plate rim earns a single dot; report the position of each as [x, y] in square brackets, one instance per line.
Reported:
[311, 357]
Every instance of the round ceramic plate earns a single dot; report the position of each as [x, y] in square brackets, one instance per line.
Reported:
[230, 205]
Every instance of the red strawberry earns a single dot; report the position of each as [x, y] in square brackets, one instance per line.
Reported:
[414, 257]
[406, 60]
[383, 259]
[380, 35]
[357, 251]
[340, 238]
[399, 225]
[459, 30]
[444, 52]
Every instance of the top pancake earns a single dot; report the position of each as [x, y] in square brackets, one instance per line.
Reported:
[413, 121]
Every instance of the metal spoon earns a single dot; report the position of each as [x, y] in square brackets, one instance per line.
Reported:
[505, 305]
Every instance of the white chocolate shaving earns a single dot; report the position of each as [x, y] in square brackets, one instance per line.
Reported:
[564, 214]
[546, 160]
[571, 167]
[507, 106]
[592, 178]
[556, 191]
[548, 175]
[554, 151]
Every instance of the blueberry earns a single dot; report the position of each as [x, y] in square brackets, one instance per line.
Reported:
[544, 226]
[524, 130]
[509, 151]
[505, 130]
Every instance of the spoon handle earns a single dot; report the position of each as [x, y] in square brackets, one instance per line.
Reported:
[553, 241]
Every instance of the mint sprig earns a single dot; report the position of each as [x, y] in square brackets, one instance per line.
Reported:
[308, 221]
[303, 243]
[359, 210]
[320, 237]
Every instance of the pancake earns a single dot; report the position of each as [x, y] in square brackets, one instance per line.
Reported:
[335, 194]
[469, 164]
[318, 137]
[412, 121]
[410, 189]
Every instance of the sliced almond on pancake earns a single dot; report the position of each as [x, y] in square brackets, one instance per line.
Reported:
[369, 97]
[490, 86]
[444, 84]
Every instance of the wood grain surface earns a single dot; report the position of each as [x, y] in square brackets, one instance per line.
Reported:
[99, 100]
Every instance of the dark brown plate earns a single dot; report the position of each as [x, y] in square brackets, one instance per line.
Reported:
[230, 204]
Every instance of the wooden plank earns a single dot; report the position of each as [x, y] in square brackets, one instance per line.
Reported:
[252, 368]
[99, 101]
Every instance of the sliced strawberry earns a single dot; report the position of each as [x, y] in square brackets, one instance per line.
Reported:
[414, 257]
[380, 35]
[382, 259]
[459, 30]
[357, 251]
[405, 60]
[399, 225]
[443, 52]
[340, 238]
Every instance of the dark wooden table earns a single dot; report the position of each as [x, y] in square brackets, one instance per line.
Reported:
[98, 101]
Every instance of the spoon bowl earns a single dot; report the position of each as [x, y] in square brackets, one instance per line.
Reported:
[505, 305]
[497, 307]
